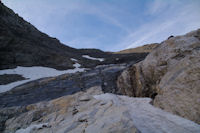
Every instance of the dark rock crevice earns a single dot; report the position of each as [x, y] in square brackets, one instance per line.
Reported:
[132, 83]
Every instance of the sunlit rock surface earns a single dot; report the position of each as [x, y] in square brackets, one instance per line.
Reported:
[92, 111]
[170, 74]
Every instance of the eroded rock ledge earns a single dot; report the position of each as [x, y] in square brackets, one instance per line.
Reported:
[170, 75]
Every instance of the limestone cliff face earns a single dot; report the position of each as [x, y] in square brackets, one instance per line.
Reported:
[170, 75]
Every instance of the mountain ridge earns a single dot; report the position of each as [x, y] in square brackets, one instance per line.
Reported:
[21, 44]
[141, 49]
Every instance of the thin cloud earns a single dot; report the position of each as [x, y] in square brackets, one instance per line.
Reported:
[157, 6]
[173, 22]
[104, 13]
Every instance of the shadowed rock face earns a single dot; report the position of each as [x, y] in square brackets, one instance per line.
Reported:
[9, 78]
[170, 74]
[21, 44]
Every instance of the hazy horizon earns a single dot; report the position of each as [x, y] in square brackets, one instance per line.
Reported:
[109, 25]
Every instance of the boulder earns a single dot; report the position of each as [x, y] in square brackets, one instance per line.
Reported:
[170, 75]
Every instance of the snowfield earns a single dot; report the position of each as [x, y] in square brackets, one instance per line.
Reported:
[149, 119]
[92, 58]
[33, 73]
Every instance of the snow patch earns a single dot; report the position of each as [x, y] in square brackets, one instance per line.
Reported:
[92, 58]
[72, 59]
[76, 65]
[31, 128]
[35, 72]
[149, 119]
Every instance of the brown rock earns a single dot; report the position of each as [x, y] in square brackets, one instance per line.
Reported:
[142, 49]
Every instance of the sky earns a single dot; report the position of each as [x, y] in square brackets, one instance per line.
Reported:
[109, 25]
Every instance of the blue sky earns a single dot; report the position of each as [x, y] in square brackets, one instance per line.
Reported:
[109, 25]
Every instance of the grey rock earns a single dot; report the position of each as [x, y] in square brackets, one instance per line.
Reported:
[170, 75]
[107, 113]
[67, 84]
[91, 116]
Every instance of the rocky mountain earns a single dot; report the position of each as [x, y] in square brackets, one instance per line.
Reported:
[21, 44]
[142, 49]
[52, 88]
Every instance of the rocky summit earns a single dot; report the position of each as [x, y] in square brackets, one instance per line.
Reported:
[48, 87]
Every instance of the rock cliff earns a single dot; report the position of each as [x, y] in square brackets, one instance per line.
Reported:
[170, 75]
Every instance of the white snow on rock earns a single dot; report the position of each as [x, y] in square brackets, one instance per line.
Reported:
[33, 73]
[72, 59]
[92, 58]
[76, 65]
[149, 119]
[31, 128]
